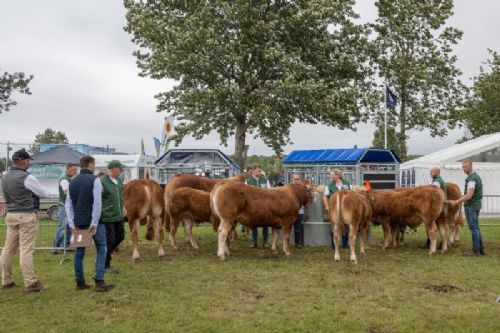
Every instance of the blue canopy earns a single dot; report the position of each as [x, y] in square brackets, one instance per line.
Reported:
[342, 156]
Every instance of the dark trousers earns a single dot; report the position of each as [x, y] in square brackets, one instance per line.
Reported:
[298, 229]
[115, 234]
[345, 238]
[255, 234]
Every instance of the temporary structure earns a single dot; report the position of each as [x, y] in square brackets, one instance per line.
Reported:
[136, 166]
[484, 151]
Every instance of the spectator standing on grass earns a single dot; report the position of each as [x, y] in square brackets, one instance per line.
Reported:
[83, 209]
[112, 210]
[337, 183]
[62, 226]
[473, 195]
[259, 180]
[21, 190]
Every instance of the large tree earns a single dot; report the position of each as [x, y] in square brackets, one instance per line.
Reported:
[10, 83]
[482, 112]
[253, 67]
[416, 59]
[48, 136]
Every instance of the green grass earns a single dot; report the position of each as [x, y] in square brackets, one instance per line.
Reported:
[399, 290]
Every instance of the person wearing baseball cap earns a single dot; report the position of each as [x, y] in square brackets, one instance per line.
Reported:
[22, 191]
[112, 210]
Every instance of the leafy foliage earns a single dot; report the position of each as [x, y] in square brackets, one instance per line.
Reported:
[482, 113]
[417, 60]
[10, 83]
[49, 136]
[254, 67]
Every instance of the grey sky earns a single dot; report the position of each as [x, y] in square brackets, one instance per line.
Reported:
[86, 81]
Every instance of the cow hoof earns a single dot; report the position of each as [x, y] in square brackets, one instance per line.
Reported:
[162, 258]
[222, 258]
[337, 257]
[363, 254]
[196, 247]
[135, 260]
[354, 261]
[287, 254]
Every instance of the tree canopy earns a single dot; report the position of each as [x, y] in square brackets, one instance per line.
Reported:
[254, 67]
[48, 136]
[482, 112]
[10, 83]
[416, 59]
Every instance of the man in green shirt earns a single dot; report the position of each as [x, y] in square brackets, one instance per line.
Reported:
[112, 210]
[259, 180]
[472, 205]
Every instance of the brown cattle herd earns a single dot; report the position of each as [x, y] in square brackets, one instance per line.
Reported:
[190, 200]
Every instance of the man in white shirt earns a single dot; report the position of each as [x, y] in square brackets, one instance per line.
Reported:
[63, 228]
[22, 191]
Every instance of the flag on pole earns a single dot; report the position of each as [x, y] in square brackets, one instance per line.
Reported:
[143, 151]
[168, 130]
[390, 98]
[157, 146]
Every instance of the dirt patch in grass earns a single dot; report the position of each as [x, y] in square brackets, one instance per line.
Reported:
[443, 288]
[248, 294]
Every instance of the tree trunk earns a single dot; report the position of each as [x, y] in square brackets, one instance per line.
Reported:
[402, 129]
[239, 140]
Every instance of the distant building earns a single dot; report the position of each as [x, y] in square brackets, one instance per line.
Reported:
[82, 148]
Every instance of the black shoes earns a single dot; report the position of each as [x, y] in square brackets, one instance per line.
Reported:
[81, 285]
[475, 253]
[101, 286]
[35, 288]
[110, 270]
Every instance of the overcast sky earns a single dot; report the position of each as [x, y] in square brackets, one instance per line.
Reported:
[86, 81]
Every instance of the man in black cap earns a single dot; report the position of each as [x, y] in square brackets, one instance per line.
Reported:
[22, 191]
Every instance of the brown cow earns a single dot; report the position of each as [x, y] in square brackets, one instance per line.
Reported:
[351, 208]
[194, 182]
[190, 206]
[257, 207]
[144, 205]
[450, 219]
[414, 206]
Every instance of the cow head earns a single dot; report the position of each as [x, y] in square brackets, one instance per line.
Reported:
[304, 191]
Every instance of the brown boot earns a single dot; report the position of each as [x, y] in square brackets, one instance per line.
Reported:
[9, 285]
[101, 286]
[35, 288]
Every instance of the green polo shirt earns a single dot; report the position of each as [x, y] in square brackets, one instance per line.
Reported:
[332, 187]
[475, 201]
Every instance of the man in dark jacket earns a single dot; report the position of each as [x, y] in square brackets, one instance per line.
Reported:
[112, 210]
[83, 210]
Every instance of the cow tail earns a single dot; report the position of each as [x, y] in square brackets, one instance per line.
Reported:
[339, 215]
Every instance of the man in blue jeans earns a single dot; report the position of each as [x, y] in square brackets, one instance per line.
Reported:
[472, 206]
[63, 227]
[83, 209]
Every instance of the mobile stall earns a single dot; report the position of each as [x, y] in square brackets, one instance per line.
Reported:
[379, 166]
[135, 166]
[204, 162]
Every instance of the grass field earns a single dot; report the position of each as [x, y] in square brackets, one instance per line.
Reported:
[399, 290]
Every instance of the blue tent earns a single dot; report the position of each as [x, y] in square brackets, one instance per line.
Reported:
[342, 156]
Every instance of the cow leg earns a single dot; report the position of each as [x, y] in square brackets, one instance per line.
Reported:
[451, 234]
[223, 233]
[274, 235]
[444, 239]
[336, 240]
[431, 231]
[173, 231]
[385, 228]
[353, 232]
[363, 240]
[394, 234]
[402, 232]
[159, 236]
[286, 238]
[188, 225]
[134, 225]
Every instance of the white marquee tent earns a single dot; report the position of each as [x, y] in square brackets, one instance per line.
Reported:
[484, 151]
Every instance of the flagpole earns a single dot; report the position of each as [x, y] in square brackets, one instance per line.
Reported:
[385, 118]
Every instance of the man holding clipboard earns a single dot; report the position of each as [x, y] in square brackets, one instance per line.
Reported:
[83, 209]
